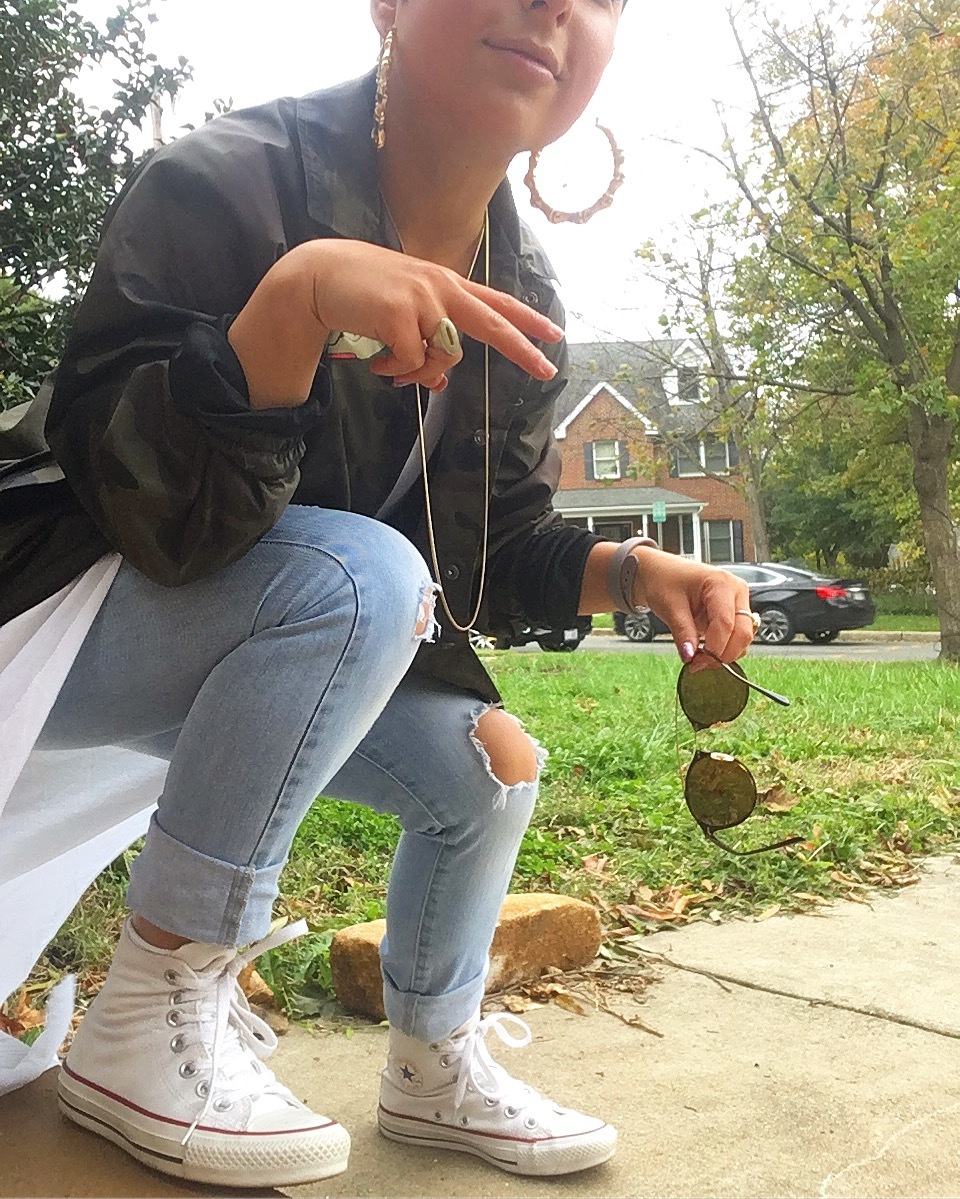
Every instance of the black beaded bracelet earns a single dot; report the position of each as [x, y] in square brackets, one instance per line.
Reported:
[621, 574]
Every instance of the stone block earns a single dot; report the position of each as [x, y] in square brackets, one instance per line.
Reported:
[535, 931]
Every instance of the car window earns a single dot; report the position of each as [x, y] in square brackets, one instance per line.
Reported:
[749, 574]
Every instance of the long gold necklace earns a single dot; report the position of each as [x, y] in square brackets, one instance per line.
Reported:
[484, 243]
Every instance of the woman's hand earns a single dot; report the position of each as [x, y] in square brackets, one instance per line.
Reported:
[697, 602]
[331, 285]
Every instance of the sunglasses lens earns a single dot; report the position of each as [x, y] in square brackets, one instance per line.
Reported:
[711, 696]
[719, 790]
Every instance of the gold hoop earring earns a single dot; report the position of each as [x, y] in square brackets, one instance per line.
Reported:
[384, 66]
[553, 215]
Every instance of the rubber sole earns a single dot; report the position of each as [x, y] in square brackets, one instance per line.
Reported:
[542, 1159]
[231, 1160]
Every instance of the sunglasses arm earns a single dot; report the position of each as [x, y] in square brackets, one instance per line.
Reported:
[746, 853]
[777, 699]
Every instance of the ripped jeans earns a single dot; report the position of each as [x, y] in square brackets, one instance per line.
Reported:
[281, 677]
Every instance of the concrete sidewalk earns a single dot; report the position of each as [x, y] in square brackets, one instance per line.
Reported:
[804, 1056]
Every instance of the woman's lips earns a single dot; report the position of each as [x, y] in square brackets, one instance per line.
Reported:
[536, 60]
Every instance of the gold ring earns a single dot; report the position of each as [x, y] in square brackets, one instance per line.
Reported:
[754, 617]
[446, 338]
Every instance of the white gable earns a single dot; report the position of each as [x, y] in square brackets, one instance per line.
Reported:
[560, 431]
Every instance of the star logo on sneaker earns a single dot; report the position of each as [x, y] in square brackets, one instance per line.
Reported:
[410, 1076]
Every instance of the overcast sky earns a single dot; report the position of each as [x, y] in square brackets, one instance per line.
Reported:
[673, 61]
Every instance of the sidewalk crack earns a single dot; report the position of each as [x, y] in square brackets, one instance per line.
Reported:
[873, 1012]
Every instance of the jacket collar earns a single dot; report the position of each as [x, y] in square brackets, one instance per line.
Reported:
[343, 191]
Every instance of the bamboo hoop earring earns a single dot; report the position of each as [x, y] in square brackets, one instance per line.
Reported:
[556, 217]
[384, 66]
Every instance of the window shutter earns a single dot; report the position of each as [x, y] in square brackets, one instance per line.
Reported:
[624, 458]
[588, 469]
[733, 456]
[737, 540]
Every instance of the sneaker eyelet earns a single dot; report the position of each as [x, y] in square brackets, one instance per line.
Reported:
[438, 1115]
[510, 1112]
[178, 1043]
[530, 1122]
[259, 1036]
[446, 1061]
[489, 1103]
[173, 1018]
[171, 977]
[222, 1105]
[434, 1047]
[464, 1121]
[188, 1070]
[203, 1089]
[176, 998]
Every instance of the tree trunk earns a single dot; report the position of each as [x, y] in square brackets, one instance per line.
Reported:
[753, 494]
[931, 439]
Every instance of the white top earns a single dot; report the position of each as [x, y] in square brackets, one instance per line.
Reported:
[64, 815]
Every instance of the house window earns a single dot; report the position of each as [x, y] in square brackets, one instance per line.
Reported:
[688, 385]
[715, 456]
[709, 455]
[724, 541]
[606, 459]
[676, 535]
[686, 460]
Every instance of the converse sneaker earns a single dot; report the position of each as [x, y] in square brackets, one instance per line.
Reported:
[167, 1064]
[453, 1095]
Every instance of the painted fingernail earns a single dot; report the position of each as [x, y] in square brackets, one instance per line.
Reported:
[687, 652]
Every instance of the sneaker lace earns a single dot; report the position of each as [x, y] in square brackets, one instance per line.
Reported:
[478, 1069]
[240, 1039]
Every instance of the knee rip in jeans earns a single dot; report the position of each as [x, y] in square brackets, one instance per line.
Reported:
[513, 759]
[426, 628]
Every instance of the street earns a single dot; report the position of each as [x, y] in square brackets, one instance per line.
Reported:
[848, 648]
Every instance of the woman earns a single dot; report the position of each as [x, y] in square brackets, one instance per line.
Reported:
[271, 631]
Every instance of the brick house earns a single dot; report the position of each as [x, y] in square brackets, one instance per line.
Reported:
[634, 432]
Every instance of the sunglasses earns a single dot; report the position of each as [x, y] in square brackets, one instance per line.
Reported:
[720, 791]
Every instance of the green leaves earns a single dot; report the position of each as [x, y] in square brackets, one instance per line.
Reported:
[62, 161]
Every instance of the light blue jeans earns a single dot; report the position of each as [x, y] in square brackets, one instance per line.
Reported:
[272, 681]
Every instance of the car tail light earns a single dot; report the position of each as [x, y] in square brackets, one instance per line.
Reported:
[829, 593]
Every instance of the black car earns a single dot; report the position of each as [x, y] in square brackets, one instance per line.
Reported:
[790, 601]
[558, 640]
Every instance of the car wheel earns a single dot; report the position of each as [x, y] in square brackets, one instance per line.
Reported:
[638, 627]
[822, 636]
[556, 645]
[776, 627]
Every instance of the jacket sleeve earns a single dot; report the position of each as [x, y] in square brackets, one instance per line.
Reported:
[150, 419]
[536, 561]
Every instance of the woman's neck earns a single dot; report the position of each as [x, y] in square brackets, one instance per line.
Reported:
[436, 188]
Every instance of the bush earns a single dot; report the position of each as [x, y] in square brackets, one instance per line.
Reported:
[903, 590]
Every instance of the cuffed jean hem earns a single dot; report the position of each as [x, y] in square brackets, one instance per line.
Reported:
[432, 1018]
[196, 896]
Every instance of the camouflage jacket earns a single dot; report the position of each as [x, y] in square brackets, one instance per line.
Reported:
[164, 460]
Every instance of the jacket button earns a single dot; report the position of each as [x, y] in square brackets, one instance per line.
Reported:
[479, 437]
[451, 572]
[531, 298]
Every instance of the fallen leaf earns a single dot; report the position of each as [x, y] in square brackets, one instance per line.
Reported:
[22, 1018]
[766, 913]
[570, 1003]
[778, 799]
[255, 989]
[518, 1004]
[595, 863]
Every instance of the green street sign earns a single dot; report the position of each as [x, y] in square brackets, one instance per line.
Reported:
[659, 512]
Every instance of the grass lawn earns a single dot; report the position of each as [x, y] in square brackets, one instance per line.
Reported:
[907, 624]
[864, 765]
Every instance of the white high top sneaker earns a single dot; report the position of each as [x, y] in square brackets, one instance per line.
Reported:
[453, 1095]
[167, 1065]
